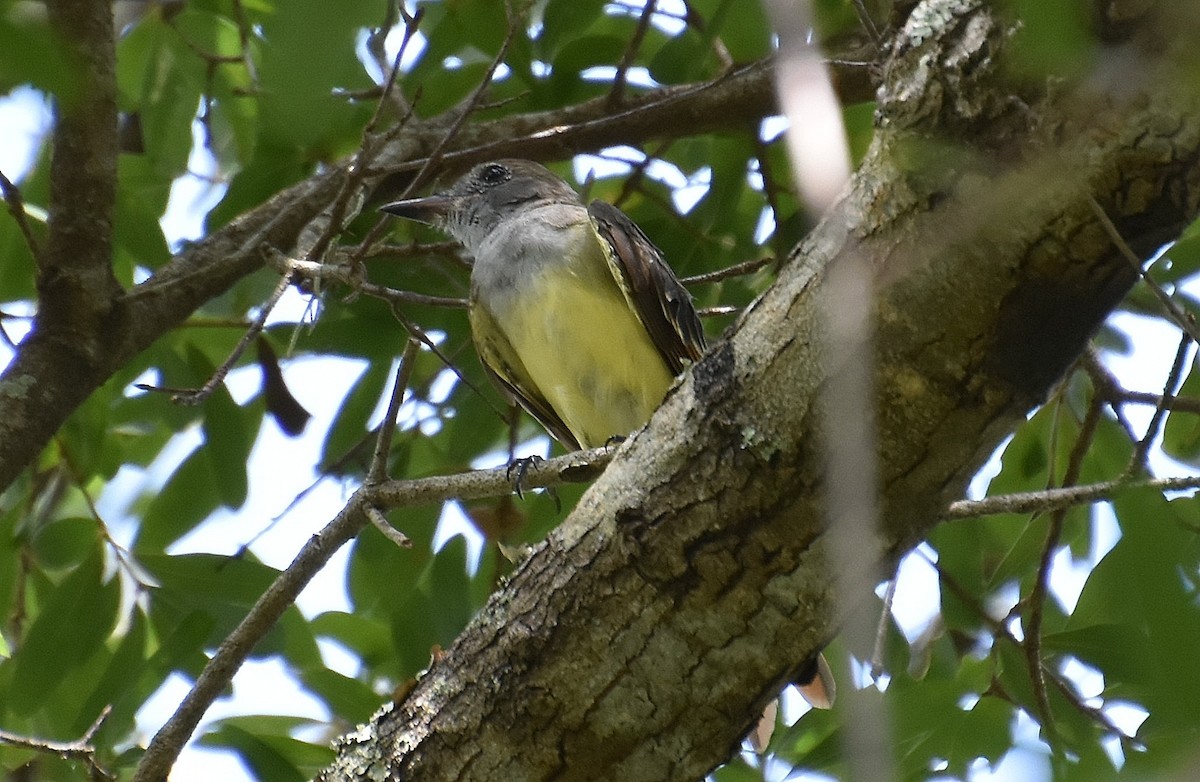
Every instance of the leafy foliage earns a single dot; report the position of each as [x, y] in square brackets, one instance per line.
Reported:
[100, 607]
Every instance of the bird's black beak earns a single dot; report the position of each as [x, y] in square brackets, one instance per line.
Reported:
[431, 209]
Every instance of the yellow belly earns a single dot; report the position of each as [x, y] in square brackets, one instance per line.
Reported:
[588, 355]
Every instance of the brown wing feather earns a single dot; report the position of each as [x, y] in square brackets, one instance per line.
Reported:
[660, 300]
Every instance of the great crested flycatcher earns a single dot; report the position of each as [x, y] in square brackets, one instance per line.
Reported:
[573, 310]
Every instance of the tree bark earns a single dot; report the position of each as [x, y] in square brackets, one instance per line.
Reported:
[642, 640]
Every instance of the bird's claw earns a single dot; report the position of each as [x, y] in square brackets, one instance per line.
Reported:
[516, 472]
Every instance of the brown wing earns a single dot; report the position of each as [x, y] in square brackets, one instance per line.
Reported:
[507, 370]
[660, 300]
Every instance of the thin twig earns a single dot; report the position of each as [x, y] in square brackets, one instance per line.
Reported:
[80, 749]
[999, 629]
[243, 26]
[1041, 583]
[124, 556]
[16, 207]
[1107, 385]
[617, 95]
[496, 482]
[1053, 499]
[1142, 452]
[1181, 319]
[736, 270]
[637, 173]
[885, 618]
[380, 522]
[416, 331]
[450, 250]
[436, 156]
[468, 108]
[868, 23]
[166, 745]
[319, 272]
[383, 443]
[195, 396]
[1128, 743]
[356, 172]
[1176, 404]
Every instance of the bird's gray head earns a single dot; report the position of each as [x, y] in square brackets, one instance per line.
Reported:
[486, 196]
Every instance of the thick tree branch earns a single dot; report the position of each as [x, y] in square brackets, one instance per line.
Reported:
[166, 745]
[642, 640]
[75, 283]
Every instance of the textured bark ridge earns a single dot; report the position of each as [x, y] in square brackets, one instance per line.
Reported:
[643, 638]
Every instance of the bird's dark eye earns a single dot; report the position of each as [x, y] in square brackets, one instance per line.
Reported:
[494, 174]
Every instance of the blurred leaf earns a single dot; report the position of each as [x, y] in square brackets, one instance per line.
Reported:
[1180, 262]
[287, 411]
[65, 542]
[304, 60]
[1147, 585]
[30, 53]
[349, 429]
[221, 588]
[1053, 37]
[186, 499]
[116, 687]
[226, 439]
[349, 699]
[1181, 434]
[367, 638]
[566, 20]
[74, 622]
[270, 755]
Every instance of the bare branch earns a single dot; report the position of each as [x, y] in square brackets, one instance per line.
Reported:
[1138, 462]
[164, 748]
[1181, 318]
[383, 443]
[1037, 595]
[16, 207]
[617, 94]
[1054, 499]
[81, 749]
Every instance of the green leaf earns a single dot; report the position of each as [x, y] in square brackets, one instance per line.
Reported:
[349, 428]
[116, 687]
[265, 744]
[565, 21]
[65, 543]
[262, 756]
[186, 500]
[305, 58]
[74, 622]
[142, 196]
[366, 637]
[226, 440]
[1181, 434]
[1147, 584]
[349, 699]
[743, 27]
[31, 54]
[1180, 262]
[222, 588]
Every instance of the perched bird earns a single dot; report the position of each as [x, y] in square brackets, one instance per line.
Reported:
[573, 310]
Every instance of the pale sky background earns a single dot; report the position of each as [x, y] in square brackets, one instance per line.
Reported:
[282, 467]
